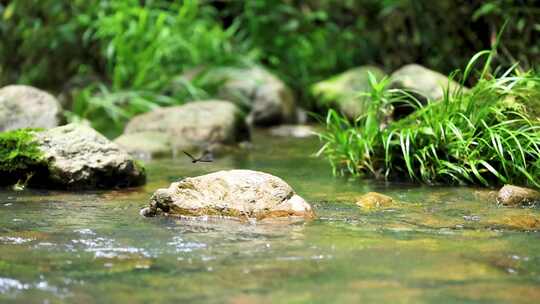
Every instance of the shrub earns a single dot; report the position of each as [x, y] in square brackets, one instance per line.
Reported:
[146, 47]
[484, 135]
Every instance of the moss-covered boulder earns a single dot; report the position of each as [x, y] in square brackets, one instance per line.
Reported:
[341, 92]
[235, 193]
[67, 157]
[267, 99]
[27, 107]
[422, 82]
[195, 125]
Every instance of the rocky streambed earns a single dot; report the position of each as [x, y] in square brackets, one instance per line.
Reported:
[407, 244]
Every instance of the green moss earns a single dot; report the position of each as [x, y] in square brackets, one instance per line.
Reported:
[20, 157]
[19, 151]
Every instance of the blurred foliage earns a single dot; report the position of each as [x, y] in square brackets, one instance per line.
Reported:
[117, 58]
[145, 46]
[41, 41]
[308, 40]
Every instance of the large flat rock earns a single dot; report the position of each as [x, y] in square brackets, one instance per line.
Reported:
[233, 193]
[195, 125]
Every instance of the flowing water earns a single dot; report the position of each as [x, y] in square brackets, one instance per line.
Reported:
[435, 245]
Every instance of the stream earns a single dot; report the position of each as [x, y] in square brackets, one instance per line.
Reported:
[435, 245]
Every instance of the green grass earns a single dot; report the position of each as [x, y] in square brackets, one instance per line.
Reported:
[19, 152]
[484, 136]
[146, 48]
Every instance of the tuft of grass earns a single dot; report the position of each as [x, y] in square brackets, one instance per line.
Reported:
[486, 135]
[20, 157]
[148, 49]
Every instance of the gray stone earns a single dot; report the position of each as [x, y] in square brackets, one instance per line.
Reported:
[422, 82]
[510, 195]
[342, 91]
[148, 145]
[234, 193]
[27, 107]
[268, 99]
[195, 125]
[78, 157]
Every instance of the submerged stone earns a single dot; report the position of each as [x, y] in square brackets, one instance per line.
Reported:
[74, 157]
[168, 130]
[342, 91]
[27, 107]
[423, 82]
[510, 195]
[374, 200]
[234, 193]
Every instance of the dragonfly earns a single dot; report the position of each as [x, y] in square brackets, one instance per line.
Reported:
[206, 157]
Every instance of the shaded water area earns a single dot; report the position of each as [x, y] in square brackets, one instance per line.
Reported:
[435, 245]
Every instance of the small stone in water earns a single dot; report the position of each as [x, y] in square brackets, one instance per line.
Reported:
[512, 196]
[374, 200]
[473, 218]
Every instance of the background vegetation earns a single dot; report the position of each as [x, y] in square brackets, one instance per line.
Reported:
[109, 60]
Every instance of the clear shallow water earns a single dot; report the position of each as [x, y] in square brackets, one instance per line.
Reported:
[437, 245]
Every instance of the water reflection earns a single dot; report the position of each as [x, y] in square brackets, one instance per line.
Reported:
[435, 245]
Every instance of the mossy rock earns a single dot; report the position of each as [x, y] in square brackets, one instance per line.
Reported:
[67, 157]
[20, 156]
[423, 83]
[267, 99]
[341, 92]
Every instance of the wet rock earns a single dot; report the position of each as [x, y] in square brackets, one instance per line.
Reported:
[147, 145]
[510, 195]
[342, 91]
[27, 107]
[200, 124]
[234, 193]
[422, 82]
[296, 131]
[374, 200]
[267, 98]
[67, 157]
[77, 156]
